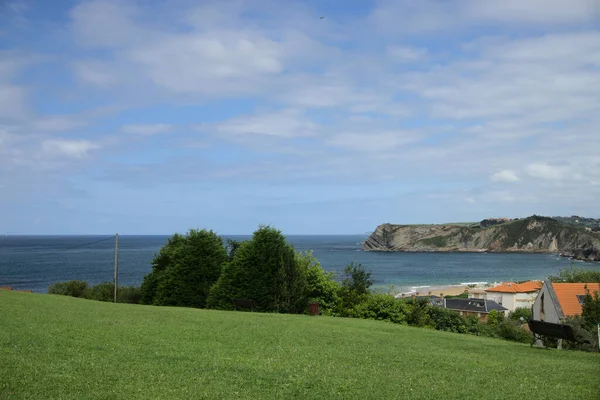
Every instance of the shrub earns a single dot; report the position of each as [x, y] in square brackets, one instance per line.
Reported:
[125, 294]
[512, 330]
[520, 312]
[447, 320]
[494, 318]
[587, 339]
[185, 269]
[382, 307]
[71, 288]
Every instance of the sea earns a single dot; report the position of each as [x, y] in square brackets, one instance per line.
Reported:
[36, 262]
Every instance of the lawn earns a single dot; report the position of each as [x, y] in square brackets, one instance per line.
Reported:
[55, 347]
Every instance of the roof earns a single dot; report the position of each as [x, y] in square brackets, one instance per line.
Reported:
[567, 293]
[512, 287]
[476, 305]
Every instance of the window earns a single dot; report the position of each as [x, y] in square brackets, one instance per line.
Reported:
[542, 313]
[580, 298]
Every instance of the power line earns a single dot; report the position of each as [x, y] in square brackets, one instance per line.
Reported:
[90, 243]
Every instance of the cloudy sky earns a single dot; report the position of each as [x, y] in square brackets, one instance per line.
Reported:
[155, 116]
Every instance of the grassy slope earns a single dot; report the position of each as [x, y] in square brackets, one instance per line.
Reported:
[60, 347]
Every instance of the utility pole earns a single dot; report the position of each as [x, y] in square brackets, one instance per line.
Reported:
[116, 264]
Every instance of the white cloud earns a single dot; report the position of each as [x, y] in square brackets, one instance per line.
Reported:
[68, 148]
[426, 16]
[407, 54]
[149, 129]
[505, 176]
[13, 100]
[545, 171]
[284, 124]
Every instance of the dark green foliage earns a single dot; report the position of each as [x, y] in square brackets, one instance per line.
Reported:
[320, 285]
[521, 312]
[587, 337]
[436, 241]
[263, 270]
[509, 329]
[357, 279]
[451, 321]
[71, 288]
[232, 247]
[185, 269]
[355, 287]
[106, 292]
[102, 292]
[382, 307]
[590, 309]
[494, 318]
[576, 275]
[420, 313]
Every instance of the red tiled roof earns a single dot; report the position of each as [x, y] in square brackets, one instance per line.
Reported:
[511, 287]
[567, 295]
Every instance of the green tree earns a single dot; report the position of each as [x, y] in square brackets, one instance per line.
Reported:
[494, 318]
[521, 312]
[320, 285]
[185, 269]
[264, 270]
[355, 288]
[590, 309]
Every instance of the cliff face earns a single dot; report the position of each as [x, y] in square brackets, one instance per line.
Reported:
[533, 234]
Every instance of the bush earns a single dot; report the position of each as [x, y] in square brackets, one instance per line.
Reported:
[520, 312]
[512, 330]
[71, 288]
[587, 339]
[185, 269]
[264, 270]
[447, 320]
[125, 294]
[382, 307]
[495, 318]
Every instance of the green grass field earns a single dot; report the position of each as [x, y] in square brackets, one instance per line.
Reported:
[54, 347]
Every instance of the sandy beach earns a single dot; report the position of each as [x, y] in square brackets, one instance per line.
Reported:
[446, 290]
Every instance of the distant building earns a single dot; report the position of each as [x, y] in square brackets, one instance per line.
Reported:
[514, 295]
[479, 308]
[557, 301]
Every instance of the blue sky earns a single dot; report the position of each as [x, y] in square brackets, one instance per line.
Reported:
[153, 117]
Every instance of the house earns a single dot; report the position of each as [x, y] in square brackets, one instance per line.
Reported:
[557, 301]
[479, 308]
[514, 295]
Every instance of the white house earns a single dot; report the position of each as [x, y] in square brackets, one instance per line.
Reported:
[514, 295]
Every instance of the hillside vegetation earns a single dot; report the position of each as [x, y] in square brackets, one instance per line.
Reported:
[532, 234]
[69, 348]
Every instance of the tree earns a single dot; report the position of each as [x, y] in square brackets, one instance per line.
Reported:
[590, 309]
[320, 285]
[264, 270]
[185, 269]
[357, 279]
[355, 287]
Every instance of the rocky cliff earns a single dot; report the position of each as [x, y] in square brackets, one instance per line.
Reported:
[532, 234]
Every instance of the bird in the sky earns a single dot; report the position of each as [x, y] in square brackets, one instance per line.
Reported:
[322, 17]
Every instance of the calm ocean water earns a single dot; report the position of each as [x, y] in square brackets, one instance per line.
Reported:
[35, 262]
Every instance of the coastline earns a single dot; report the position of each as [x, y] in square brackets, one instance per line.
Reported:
[439, 290]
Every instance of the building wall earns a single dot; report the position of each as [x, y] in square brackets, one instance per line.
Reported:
[507, 300]
[543, 307]
[525, 299]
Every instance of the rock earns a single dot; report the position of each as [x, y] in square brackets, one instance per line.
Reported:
[532, 234]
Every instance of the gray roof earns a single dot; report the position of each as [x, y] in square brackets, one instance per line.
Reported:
[474, 305]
